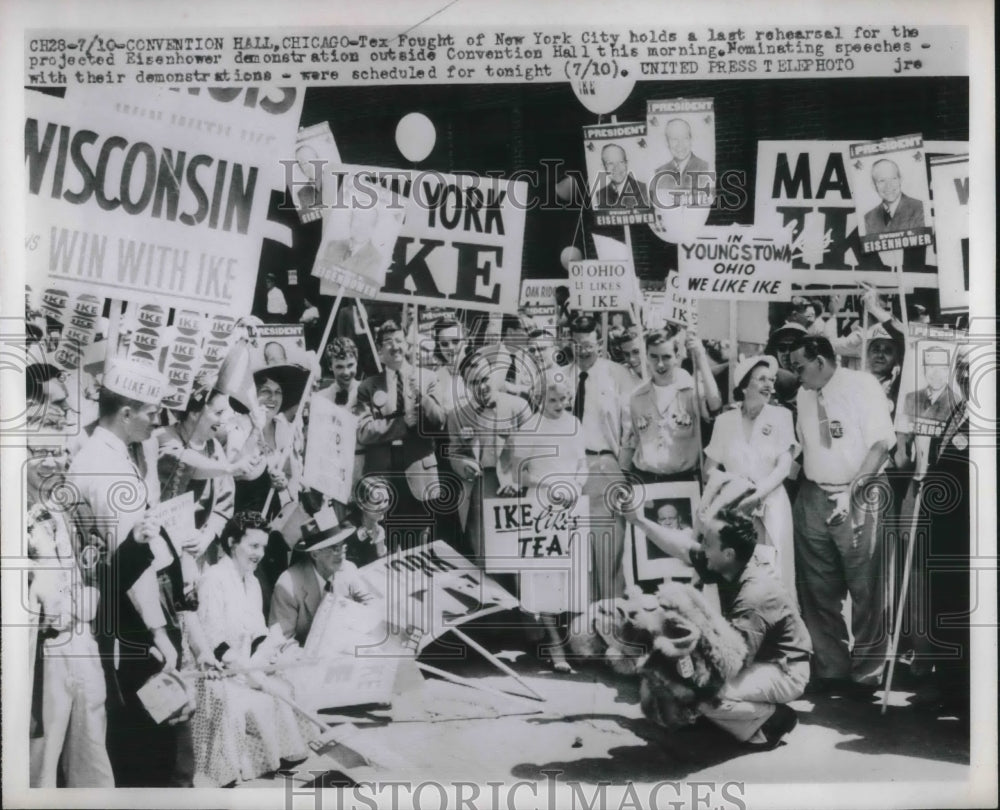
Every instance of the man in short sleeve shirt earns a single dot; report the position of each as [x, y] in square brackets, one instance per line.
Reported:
[846, 433]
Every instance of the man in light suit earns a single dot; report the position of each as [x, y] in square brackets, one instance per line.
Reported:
[325, 569]
[601, 404]
[896, 212]
[676, 181]
[478, 428]
[388, 409]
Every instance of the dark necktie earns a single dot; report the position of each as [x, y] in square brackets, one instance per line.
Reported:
[400, 405]
[954, 425]
[138, 459]
[340, 398]
[824, 421]
[329, 585]
[886, 215]
[581, 392]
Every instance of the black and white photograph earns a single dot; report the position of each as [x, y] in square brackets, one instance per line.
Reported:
[671, 506]
[889, 184]
[681, 134]
[358, 448]
[617, 157]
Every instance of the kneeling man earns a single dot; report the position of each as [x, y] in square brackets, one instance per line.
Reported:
[754, 601]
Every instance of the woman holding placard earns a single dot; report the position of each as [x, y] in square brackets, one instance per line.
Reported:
[279, 460]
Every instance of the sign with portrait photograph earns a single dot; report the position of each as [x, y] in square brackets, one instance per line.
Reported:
[891, 194]
[672, 506]
[617, 157]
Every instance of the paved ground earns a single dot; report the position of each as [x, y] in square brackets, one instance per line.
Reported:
[591, 729]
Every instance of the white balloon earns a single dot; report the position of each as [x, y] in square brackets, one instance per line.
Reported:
[570, 254]
[564, 189]
[604, 95]
[415, 136]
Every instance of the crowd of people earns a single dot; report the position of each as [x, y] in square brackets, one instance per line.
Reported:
[807, 443]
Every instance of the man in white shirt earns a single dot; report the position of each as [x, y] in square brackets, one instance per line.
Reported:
[142, 587]
[601, 404]
[846, 434]
[277, 306]
[630, 346]
[664, 412]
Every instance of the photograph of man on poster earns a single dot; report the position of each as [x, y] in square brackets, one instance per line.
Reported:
[621, 190]
[685, 172]
[896, 211]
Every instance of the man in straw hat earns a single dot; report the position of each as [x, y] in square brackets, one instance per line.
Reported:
[142, 587]
[324, 569]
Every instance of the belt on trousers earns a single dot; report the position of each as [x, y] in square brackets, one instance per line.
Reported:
[829, 487]
[599, 452]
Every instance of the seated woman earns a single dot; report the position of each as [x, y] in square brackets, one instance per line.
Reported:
[547, 457]
[241, 729]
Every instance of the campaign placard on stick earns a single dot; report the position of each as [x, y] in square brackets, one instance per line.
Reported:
[431, 589]
[538, 301]
[670, 505]
[522, 534]
[950, 190]
[681, 309]
[176, 515]
[806, 185]
[274, 343]
[460, 242]
[602, 286]
[891, 194]
[330, 443]
[145, 193]
[341, 629]
[737, 264]
[681, 136]
[308, 182]
[616, 157]
[927, 392]
[360, 227]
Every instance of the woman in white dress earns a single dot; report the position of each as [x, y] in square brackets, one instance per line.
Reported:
[547, 457]
[241, 730]
[757, 441]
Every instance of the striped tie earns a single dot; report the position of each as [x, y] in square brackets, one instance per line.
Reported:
[824, 421]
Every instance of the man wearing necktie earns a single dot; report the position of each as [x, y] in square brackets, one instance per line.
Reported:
[602, 406]
[342, 355]
[896, 211]
[846, 434]
[323, 569]
[142, 587]
[946, 647]
[478, 428]
[69, 687]
[388, 408]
